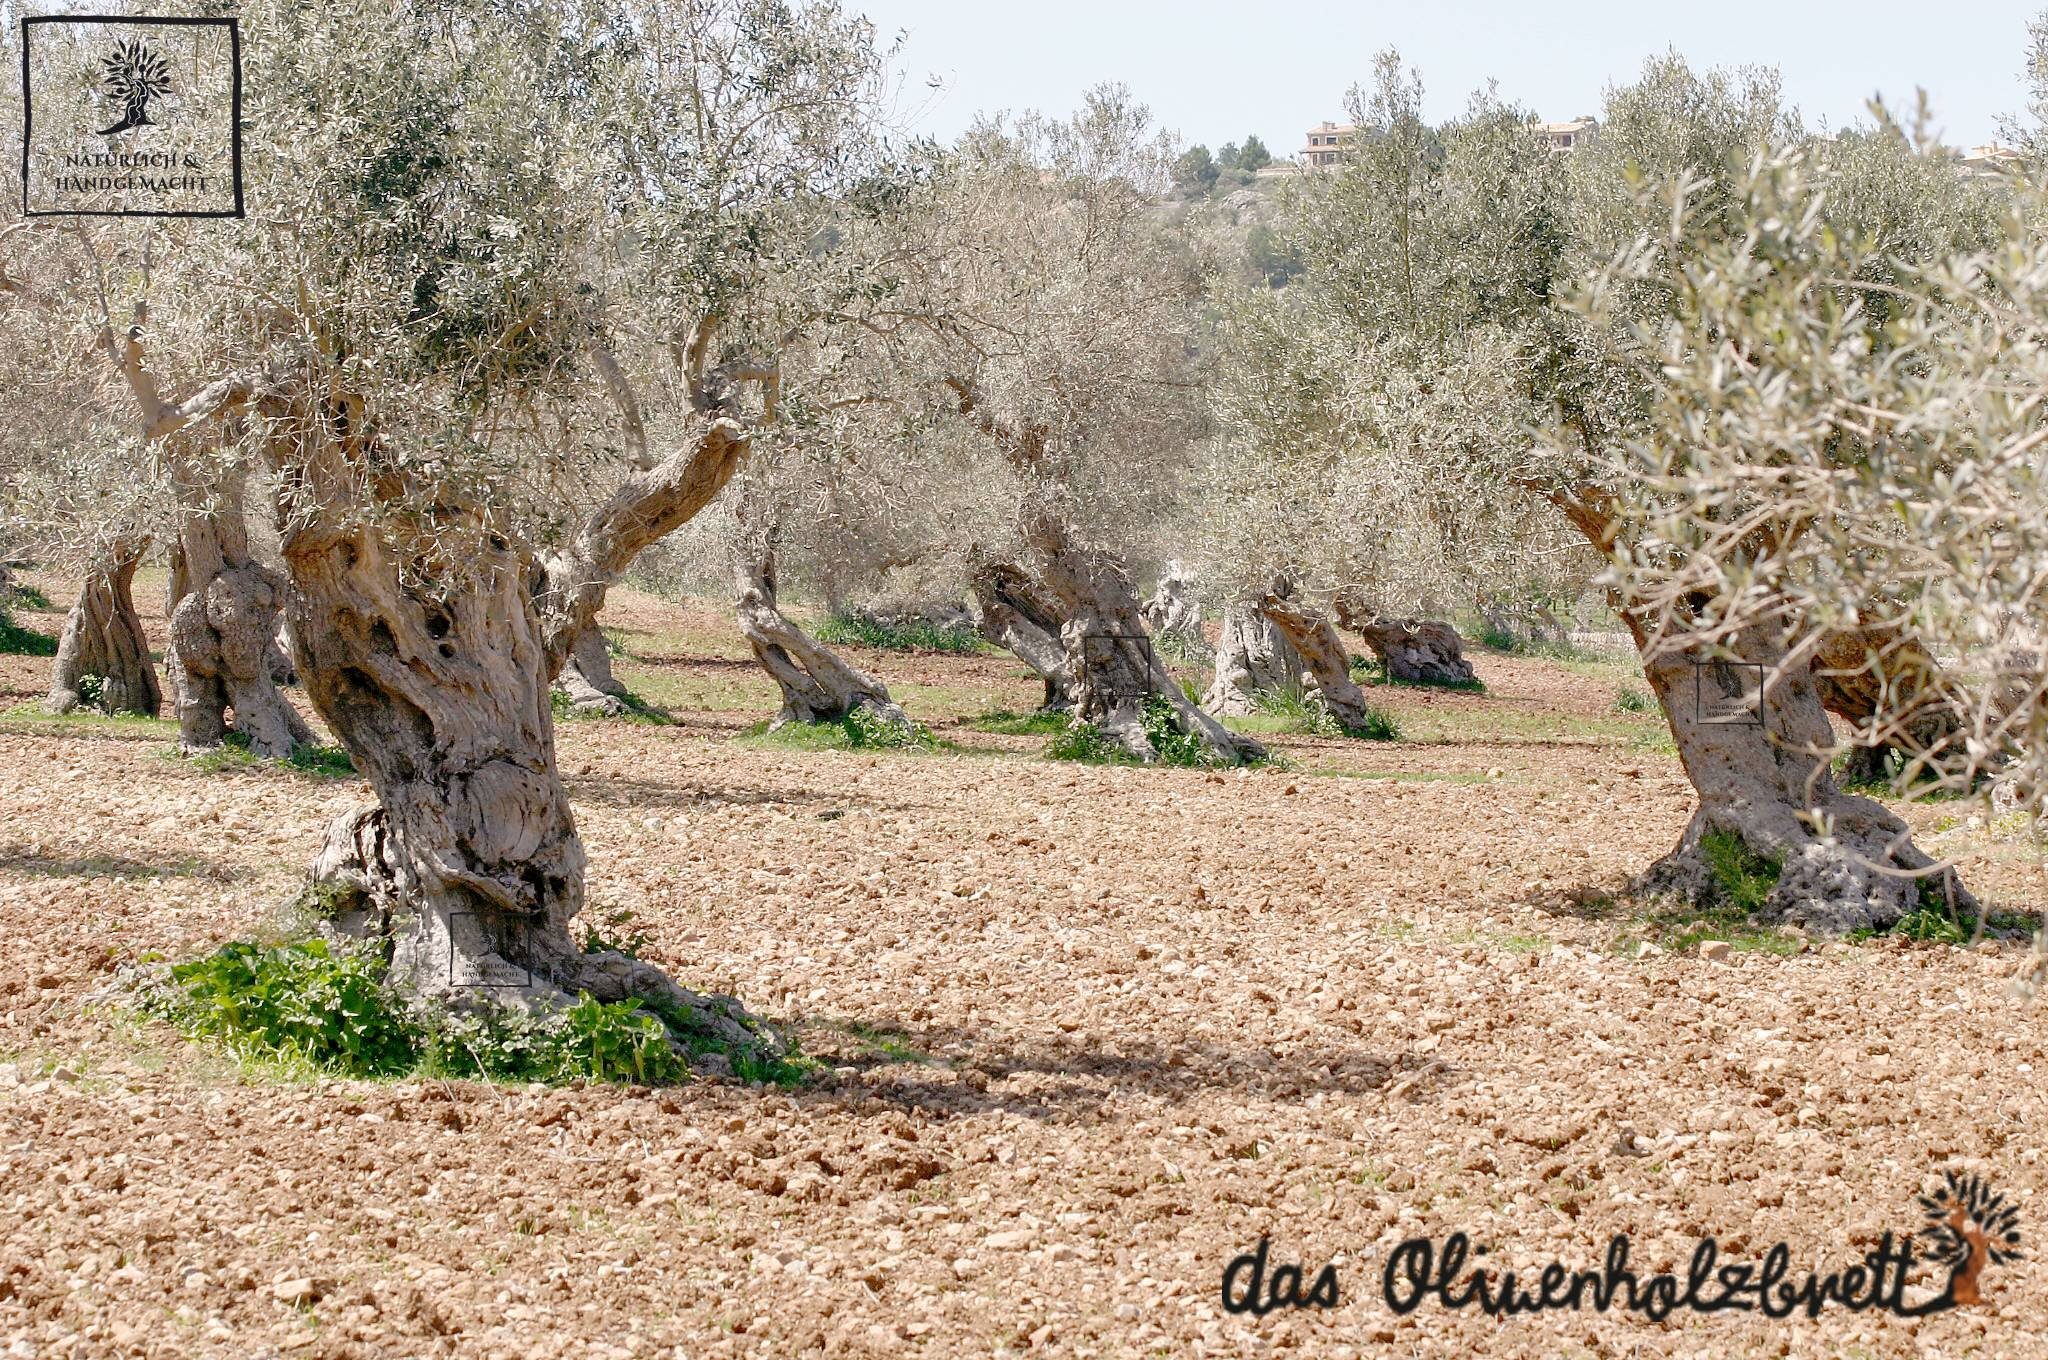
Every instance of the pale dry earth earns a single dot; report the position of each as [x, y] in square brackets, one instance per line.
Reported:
[1088, 1034]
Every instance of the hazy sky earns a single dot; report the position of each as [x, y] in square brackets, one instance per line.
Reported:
[1215, 71]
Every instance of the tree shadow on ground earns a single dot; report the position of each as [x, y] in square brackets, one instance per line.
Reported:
[1670, 922]
[16, 859]
[1059, 1078]
[612, 791]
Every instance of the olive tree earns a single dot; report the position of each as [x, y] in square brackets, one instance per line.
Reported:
[1455, 291]
[1846, 443]
[1051, 309]
[512, 308]
[1361, 409]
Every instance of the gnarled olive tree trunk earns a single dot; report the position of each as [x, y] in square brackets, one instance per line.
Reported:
[103, 640]
[1253, 657]
[1322, 654]
[586, 680]
[224, 626]
[1016, 615]
[816, 685]
[1412, 651]
[1116, 670]
[1757, 756]
[1174, 612]
[430, 648]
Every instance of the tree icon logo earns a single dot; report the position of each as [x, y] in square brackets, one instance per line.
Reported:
[1971, 1226]
[135, 74]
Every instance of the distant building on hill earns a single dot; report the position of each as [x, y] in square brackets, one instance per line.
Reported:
[1990, 160]
[1569, 135]
[1327, 143]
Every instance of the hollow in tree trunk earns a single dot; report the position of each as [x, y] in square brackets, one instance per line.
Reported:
[1411, 651]
[1016, 615]
[103, 639]
[224, 622]
[816, 685]
[1324, 660]
[1253, 657]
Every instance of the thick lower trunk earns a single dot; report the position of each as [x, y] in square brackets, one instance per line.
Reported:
[1116, 670]
[1411, 651]
[469, 867]
[586, 680]
[816, 685]
[1324, 660]
[1757, 756]
[103, 652]
[1253, 657]
[1760, 768]
[224, 629]
[1016, 615]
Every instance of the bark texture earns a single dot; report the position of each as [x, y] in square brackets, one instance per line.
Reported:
[1253, 657]
[1325, 662]
[816, 685]
[1844, 862]
[1412, 651]
[103, 639]
[1174, 611]
[470, 865]
[224, 624]
[1116, 669]
[652, 503]
[1017, 615]
[586, 678]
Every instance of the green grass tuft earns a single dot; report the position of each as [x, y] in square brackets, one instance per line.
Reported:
[233, 754]
[1742, 878]
[304, 1003]
[1004, 722]
[1300, 712]
[17, 640]
[916, 635]
[860, 730]
[1089, 744]
[1633, 700]
[1934, 923]
[326, 1007]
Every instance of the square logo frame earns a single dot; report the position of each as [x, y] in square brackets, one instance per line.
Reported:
[31, 23]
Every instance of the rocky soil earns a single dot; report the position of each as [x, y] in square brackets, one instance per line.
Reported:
[1087, 1034]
